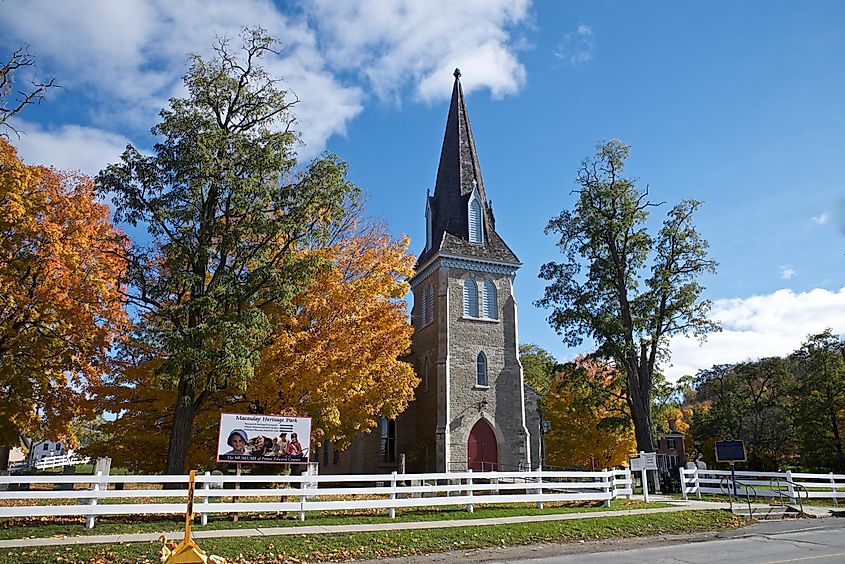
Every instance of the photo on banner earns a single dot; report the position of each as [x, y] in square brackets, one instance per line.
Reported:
[263, 439]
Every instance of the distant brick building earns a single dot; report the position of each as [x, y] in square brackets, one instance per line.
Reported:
[470, 409]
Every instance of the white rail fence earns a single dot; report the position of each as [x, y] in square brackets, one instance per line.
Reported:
[91, 496]
[51, 462]
[766, 484]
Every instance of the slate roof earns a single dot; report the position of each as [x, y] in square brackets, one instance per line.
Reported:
[457, 173]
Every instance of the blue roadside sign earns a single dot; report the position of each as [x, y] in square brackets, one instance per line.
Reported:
[730, 450]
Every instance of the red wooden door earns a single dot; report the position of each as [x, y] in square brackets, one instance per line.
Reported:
[482, 452]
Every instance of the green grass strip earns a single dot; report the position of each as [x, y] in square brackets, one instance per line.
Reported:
[397, 543]
[40, 527]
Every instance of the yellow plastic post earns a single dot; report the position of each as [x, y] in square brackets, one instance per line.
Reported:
[186, 551]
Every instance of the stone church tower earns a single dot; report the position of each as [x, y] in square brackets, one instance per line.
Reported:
[469, 410]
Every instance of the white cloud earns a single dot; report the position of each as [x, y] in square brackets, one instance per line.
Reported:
[399, 43]
[129, 56]
[787, 272]
[576, 47]
[821, 219]
[69, 147]
[770, 325]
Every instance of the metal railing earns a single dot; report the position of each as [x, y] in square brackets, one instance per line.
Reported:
[729, 487]
[793, 492]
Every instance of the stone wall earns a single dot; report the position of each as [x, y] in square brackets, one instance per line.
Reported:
[501, 402]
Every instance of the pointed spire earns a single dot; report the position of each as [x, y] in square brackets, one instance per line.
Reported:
[458, 176]
[459, 172]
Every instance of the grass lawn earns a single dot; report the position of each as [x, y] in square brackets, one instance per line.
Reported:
[70, 526]
[396, 543]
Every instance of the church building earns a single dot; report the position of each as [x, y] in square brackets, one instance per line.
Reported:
[471, 409]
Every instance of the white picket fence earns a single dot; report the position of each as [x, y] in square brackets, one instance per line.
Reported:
[51, 462]
[765, 484]
[91, 496]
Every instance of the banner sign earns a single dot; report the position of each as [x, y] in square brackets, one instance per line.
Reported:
[263, 439]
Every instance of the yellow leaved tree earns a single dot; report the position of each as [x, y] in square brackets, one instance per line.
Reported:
[590, 425]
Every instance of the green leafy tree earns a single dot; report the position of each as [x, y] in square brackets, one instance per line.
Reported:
[228, 210]
[627, 290]
[819, 400]
[748, 401]
[538, 366]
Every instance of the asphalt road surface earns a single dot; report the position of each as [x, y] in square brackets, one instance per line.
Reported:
[807, 541]
[810, 541]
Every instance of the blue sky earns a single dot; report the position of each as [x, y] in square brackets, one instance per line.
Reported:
[738, 104]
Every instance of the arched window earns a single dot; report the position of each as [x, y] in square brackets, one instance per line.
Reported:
[470, 297]
[489, 301]
[423, 308]
[430, 303]
[481, 370]
[476, 228]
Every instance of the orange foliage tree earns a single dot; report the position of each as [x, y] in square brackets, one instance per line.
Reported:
[60, 296]
[590, 425]
[337, 357]
[334, 356]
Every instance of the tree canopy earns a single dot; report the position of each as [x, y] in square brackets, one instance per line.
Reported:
[61, 263]
[333, 356]
[229, 211]
[590, 426]
[627, 290]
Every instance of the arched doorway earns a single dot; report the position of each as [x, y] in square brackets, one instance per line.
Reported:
[482, 451]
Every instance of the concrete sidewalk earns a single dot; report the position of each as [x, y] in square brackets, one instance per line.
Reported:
[677, 505]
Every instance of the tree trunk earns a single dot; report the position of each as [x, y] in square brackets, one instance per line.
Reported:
[642, 428]
[4, 457]
[180, 434]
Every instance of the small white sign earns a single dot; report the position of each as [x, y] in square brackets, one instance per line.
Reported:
[646, 461]
[263, 439]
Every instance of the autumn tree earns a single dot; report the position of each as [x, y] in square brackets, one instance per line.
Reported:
[334, 356]
[818, 407]
[60, 296]
[15, 97]
[590, 425]
[228, 210]
[627, 290]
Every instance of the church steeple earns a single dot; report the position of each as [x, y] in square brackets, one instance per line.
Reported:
[461, 219]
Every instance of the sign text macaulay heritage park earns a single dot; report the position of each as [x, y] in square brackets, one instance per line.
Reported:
[263, 439]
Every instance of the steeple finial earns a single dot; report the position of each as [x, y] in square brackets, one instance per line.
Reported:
[457, 73]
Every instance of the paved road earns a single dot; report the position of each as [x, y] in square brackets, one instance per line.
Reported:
[805, 541]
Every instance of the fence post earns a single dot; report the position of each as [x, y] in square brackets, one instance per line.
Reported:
[613, 483]
[303, 488]
[683, 482]
[606, 489]
[392, 510]
[697, 484]
[833, 488]
[95, 487]
[789, 485]
[629, 483]
[470, 506]
[539, 480]
[205, 486]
